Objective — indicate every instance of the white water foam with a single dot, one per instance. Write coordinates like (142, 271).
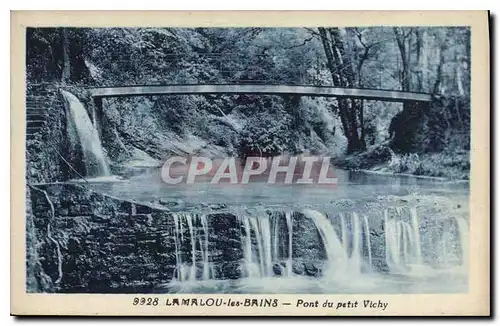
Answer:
(93, 155)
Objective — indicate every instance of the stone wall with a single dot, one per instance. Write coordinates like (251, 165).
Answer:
(46, 140)
(102, 243)
(82, 241)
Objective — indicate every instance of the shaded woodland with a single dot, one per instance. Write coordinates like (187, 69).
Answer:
(430, 140)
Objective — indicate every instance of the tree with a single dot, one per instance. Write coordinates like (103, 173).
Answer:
(343, 75)
(66, 71)
(403, 40)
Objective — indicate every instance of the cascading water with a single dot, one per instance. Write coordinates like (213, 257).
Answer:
(415, 227)
(262, 249)
(368, 242)
(343, 228)
(187, 270)
(252, 269)
(463, 230)
(261, 227)
(95, 164)
(453, 242)
(335, 253)
(350, 245)
(355, 259)
(360, 239)
(205, 249)
(192, 269)
(289, 225)
(267, 251)
(403, 241)
(394, 228)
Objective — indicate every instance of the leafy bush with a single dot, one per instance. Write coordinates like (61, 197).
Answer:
(406, 163)
(264, 135)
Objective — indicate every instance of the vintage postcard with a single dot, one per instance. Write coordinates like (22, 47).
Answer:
(250, 163)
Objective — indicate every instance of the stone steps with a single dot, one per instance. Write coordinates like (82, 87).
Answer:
(35, 123)
(40, 99)
(36, 115)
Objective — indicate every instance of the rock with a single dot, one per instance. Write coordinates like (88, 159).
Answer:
(311, 270)
(307, 243)
(380, 265)
(141, 209)
(217, 206)
(230, 270)
(172, 204)
(298, 268)
(163, 202)
(231, 253)
(277, 269)
(343, 202)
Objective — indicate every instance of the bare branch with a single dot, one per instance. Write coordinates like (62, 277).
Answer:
(312, 31)
(304, 42)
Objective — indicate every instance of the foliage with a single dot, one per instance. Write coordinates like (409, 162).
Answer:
(424, 59)
(266, 137)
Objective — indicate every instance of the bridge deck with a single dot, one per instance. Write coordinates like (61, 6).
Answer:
(326, 91)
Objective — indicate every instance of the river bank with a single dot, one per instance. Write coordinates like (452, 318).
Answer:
(451, 164)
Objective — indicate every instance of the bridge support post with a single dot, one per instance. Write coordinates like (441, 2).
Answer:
(97, 115)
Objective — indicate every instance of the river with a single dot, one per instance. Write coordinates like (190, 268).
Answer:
(146, 185)
(421, 258)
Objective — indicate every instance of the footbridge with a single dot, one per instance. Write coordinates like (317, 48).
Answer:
(235, 89)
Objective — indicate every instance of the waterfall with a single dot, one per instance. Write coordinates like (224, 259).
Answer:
(360, 234)
(95, 164)
(276, 238)
(267, 244)
(403, 246)
(178, 257)
(183, 269)
(262, 248)
(336, 254)
(249, 266)
(454, 242)
(192, 269)
(463, 230)
(343, 227)
(416, 235)
(188, 271)
(205, 249)
(289, 263)
(261, 227)
(260, 255)
(368, 242)
(356, 258)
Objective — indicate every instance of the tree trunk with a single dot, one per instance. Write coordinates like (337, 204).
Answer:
(66, 71)
(405, 73)
(362, 122)
(335, 77)
(458, 76)
(439, 73)
(420, 77)
(343, 75)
